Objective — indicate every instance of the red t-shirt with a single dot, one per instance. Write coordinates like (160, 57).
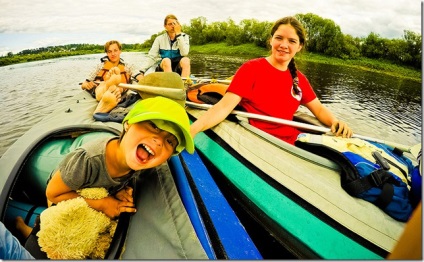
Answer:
(266, 90)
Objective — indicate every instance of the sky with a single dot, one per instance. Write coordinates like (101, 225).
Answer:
(40, 23)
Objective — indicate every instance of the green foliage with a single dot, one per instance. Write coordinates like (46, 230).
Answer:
(413, 50)
(406, 51)
(261, 33)
(215, 32)
(323, 35)
(373, 46)
(195, 30)
(235, 34)
(247, 31)
(350, 47)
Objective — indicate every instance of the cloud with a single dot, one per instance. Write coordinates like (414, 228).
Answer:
(75, 21)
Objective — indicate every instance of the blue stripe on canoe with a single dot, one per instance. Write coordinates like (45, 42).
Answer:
(233, 236)
(190, 205)
(314, 233)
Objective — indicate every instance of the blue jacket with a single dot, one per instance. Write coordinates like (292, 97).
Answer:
(162, 48)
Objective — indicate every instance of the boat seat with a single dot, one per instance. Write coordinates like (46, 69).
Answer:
(27, 211)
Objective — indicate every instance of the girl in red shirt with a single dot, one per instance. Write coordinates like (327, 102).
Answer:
(273, 86)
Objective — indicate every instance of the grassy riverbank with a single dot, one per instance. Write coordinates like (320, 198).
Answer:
(250, 50)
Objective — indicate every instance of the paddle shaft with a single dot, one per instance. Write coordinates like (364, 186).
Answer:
(299, 125)
(208, 80)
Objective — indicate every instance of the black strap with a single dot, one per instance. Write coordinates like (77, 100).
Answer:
(397, 151)
(29, 214)
(400, 169)
(377, 178)
(385, 197)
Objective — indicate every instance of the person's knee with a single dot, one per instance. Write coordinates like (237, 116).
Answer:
(166, 63)
(166, 60)
(185, 62)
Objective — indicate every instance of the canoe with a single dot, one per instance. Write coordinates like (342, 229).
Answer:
(291, 200)
(178, 217)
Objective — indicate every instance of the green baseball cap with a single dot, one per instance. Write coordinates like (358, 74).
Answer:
(167, 115)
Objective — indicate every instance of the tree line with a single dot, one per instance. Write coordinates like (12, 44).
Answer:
(324, 36)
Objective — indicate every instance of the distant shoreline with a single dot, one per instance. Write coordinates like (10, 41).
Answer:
(251, 51)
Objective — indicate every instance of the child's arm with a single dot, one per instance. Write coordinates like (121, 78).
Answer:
(58, 191)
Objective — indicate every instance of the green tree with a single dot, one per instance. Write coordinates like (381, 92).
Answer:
(396, 51)
(350, 49)
(195, 30)
(373, 46)
(215, 32)
(323, 35)
(234, 34)
(261, 33)
(413, 48)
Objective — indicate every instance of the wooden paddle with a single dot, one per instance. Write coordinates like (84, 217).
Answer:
(299, 125)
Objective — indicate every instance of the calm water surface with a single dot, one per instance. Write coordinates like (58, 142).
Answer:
(372, 104)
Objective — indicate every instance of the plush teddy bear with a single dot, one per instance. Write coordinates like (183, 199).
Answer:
(73, 230)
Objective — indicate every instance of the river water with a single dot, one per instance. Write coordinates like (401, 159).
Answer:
(374, 105)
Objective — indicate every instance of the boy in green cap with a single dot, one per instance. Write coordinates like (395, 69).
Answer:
(154, 130)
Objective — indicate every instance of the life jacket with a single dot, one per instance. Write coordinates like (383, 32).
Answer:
(372, 171)
(107, 65)
(206, 93)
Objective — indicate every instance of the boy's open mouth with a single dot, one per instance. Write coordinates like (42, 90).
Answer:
(144, 152)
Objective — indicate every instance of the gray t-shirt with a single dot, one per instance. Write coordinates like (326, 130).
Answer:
(85, 167)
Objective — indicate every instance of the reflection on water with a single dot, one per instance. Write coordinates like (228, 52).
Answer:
(373, 104)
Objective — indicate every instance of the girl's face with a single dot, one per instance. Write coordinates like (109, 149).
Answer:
(113, 53)
(145, 145)
(284, 44)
